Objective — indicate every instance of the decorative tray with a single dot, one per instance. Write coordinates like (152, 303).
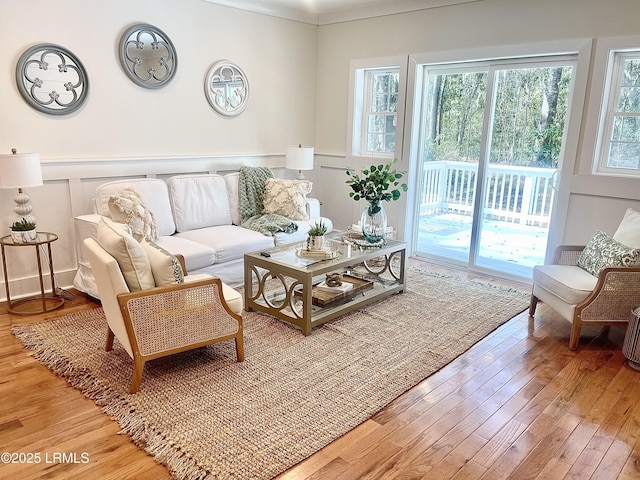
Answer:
(323, 298)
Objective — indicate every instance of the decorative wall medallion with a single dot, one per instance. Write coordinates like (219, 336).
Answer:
(227, 88)
(148, 56)
(52, 79)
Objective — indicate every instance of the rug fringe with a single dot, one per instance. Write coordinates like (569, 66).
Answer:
(163, 450)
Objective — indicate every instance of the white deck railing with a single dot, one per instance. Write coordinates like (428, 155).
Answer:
(521, 195)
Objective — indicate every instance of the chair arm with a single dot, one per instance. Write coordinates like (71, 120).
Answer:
(615, 295)
(567, 254)
(168, 319)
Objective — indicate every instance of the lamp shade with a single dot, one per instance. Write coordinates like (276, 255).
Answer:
(19, 170)
(299, 158)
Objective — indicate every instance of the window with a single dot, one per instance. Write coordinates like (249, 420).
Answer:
(380, 111)
(619, 135)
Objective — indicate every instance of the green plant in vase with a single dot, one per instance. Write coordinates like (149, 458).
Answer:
(376, 184)
(315, 236)
(23, 231)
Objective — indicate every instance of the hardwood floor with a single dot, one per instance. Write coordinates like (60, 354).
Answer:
(519, 404)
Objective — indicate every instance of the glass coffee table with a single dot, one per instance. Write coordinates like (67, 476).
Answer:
(286, 284)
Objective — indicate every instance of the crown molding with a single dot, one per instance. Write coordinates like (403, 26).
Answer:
(346, 14)
(383, 8)
(271, 9)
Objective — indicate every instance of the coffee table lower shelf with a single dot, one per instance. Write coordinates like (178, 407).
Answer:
(322, 298)
(278, 304)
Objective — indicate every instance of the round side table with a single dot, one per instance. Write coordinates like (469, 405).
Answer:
(46, 302)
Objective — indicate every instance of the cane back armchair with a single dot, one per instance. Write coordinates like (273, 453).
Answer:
(164, 320)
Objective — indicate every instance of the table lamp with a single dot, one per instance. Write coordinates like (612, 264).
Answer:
(19, 170)
(299, 158)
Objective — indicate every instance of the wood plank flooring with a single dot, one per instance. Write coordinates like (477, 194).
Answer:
(518, 405)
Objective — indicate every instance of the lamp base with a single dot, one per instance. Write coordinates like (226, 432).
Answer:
(23, 208)
(300, 175)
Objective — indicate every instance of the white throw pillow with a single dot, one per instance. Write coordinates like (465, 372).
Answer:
(628, 232)
(129, 207)
(128, 252)
(287, 198)
(165, 267)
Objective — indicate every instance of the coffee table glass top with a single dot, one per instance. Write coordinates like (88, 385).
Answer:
(290, 256)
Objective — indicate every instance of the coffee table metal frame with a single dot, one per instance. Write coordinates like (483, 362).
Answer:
(291, 300)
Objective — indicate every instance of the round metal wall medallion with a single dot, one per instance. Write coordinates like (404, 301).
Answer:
(147, 56)
(227, 88)
(52, 79)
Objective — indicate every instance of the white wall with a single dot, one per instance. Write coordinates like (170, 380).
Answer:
(299, 77)
(124, 129)
(591, 202)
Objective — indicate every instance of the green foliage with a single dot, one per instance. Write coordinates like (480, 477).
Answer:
(376, 184)
(528, 117)
(317, 230)
(22, 225)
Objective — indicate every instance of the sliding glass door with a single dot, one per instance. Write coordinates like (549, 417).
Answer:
(490, 145)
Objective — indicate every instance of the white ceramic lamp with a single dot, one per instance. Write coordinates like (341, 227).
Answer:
(19, 170)
(299, 158)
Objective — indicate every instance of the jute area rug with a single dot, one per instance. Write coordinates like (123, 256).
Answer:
(205, 416)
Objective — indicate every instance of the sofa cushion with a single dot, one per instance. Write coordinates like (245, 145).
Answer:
(229, 241)
(569, 282)
(287, 197)
(196, 256)
(232, 180)
(130, 208)
(154, 192)
(199, 201)
(231, 296)
(603, 251)
(128, 252)
(165, 267)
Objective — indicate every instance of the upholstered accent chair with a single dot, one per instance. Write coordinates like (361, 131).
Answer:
(596, 284)
(156, 321)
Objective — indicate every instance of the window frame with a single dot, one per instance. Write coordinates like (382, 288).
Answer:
(609, 112)
(357, 92)
(367, 112)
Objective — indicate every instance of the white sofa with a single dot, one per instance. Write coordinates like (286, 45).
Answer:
(197, 217)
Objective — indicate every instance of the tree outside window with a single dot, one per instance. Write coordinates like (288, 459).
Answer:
(620, 132)
(380, 112)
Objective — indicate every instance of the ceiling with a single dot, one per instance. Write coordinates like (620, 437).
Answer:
(322, 12)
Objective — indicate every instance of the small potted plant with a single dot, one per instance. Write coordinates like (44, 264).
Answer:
(23, 231)
(315, 238)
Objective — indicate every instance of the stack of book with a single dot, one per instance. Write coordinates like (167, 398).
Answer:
(323, 254)
(345, 287)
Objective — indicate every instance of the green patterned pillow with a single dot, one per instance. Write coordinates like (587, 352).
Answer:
(603, 251)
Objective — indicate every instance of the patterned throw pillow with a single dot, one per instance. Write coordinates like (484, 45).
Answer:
(287, 198)
(165, 267)
(603, 251)
(129, 207)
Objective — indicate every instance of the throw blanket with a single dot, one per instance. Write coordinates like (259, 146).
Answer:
(251, 192)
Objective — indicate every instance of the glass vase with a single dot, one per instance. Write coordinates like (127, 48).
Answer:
(374, 222)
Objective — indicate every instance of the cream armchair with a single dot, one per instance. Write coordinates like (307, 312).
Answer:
(159, 321)
(585, 293)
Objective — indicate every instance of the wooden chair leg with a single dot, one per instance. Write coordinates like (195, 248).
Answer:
(138, 367)
(533, 303)
(240, 346)
(109, 345)
(575, 334)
